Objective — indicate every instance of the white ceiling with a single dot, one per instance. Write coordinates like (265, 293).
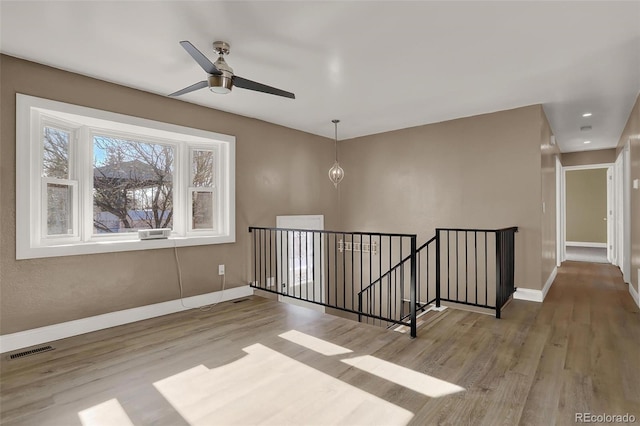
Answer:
(377, 66)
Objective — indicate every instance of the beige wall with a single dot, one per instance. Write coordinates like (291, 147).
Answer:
(278, 171)
(548, 155)
(585, 158)
(631, 134)
(586, 194)
(476, 172)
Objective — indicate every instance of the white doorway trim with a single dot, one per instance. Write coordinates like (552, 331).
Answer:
(560, 251)
(284, 279)
(623, 202)
(610, 215)
(563, 206)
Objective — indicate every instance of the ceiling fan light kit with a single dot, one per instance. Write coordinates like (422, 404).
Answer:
(221, 84)
(220, 76)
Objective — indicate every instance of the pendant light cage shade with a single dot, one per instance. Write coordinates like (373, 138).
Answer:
(336, 173)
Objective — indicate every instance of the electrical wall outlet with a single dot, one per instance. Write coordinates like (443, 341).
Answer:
(220, 269)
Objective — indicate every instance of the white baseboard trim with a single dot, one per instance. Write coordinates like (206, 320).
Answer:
(634, 294)
(549, 283)
(536, 295)
(37, 336)
(585, 244)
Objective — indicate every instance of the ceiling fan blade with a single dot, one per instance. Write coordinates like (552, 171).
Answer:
(259, 87)
(202, 60)
(196, 86)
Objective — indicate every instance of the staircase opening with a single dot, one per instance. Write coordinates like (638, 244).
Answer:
(385, 278)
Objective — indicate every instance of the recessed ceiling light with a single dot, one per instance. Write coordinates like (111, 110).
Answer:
(587, 141)
(587, 114)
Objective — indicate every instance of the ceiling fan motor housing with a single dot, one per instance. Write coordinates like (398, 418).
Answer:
(223, 82)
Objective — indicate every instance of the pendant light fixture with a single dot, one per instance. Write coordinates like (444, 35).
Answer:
(336, 173)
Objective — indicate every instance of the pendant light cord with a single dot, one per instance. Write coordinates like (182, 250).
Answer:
(335, 122)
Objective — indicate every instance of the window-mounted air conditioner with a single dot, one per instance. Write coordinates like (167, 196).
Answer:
(154, 234)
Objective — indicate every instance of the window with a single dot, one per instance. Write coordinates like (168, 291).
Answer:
(88, 180)
(132, 185)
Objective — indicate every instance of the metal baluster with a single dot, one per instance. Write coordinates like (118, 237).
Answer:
(466, 267)
(475, 253)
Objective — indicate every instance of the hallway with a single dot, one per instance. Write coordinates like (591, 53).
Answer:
(590, 361)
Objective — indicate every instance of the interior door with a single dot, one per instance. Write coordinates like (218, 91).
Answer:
(300, 261)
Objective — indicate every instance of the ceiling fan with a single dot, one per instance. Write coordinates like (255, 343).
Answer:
(220, 75)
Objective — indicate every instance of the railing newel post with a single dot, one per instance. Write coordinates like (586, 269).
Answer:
(498, 273)
(437, 268)
(413, 287)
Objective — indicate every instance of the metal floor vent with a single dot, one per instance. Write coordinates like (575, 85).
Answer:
(240, 300)
(31, 352)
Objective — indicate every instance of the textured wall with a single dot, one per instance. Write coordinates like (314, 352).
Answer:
(476, 172)
(278, 171)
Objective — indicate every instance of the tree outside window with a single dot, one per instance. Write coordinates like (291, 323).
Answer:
(132, 185)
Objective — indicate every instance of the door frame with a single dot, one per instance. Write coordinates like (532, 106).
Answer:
(610, 216)
(560, 251)
(562, 211)
(623, 201)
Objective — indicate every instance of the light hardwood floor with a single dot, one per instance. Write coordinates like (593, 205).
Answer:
(579, 351)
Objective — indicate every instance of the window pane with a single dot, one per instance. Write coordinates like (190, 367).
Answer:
(55, 156)
(202, 168)
(203, 210)
(300, 258)
(132, 185)
(59, 209)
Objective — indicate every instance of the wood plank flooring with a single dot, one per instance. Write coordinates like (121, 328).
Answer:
(579, 351)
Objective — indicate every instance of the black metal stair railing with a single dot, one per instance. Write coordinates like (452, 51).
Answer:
(370, 300)
(383, 277)
(476, 267)
(331, 268)
(473, 267)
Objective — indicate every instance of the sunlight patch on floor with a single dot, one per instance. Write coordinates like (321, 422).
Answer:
(318, 345)
(419, 382)
(108, 413)
(268, 388)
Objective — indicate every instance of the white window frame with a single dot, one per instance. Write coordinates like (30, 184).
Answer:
(212, 189)
(39, 194)
(83, 123)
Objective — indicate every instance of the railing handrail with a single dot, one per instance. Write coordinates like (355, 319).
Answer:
(510, 228)
(324, 231)
(396, 266)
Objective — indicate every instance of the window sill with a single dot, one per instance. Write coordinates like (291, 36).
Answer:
(96, 247)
